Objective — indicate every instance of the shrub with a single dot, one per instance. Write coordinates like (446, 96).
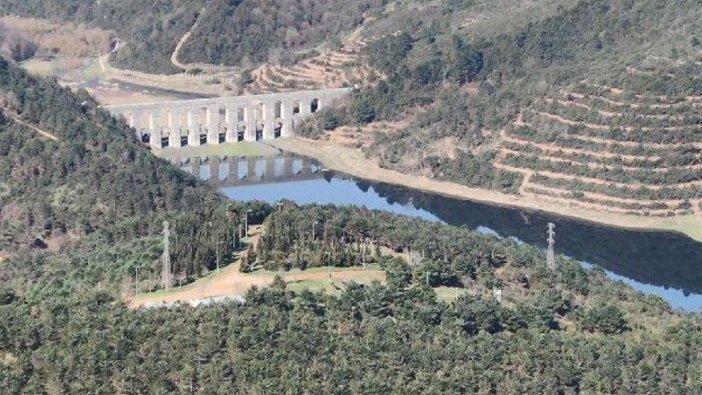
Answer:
(603, 318)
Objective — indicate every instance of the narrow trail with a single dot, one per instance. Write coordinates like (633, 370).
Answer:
(593, 165)
(42, 132)
(601, 207)
(601, 127)
(628, 143)
(525, 183)
(574, 151)
(183, 40)
(591, 180)
(600, 196)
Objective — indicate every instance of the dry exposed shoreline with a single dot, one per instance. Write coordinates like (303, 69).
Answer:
(353, 162)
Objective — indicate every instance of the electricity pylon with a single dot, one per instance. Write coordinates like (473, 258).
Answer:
(551, 240)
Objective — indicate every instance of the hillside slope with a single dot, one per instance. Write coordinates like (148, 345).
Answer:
(64, 327)
(605, 77)
(70, 171)
(233, 33)
(466, 102)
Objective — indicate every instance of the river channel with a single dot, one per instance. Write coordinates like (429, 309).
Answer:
(666, 264)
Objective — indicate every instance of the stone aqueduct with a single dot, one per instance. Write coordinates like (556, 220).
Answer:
(223, 119)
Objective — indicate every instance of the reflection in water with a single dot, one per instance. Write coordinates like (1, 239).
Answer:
(664, 259)
(227, 171)
(663, 263)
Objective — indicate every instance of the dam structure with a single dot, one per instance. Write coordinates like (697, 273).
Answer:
(223, 119)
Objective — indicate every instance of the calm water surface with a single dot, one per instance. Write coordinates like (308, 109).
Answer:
(662, 263)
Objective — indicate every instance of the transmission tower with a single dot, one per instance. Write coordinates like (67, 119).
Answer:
(166, 257)
(551, 240)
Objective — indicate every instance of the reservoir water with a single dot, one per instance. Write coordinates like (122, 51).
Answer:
(666, 264)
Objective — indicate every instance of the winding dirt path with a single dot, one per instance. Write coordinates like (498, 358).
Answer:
(603, 197)
(591, 180)
(602, 127)
(627, 143)
(594, 165)
(42, 132)
(183, 40)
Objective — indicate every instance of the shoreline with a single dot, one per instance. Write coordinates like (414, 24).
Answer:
(353, 162)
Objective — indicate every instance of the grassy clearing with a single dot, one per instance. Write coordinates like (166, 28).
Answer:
(39, 66)
(689, 225)
(229, 281)
(8, 360)
(314, 286)
(314, 270)
(244, 148)
(318, 279)
(449, 294)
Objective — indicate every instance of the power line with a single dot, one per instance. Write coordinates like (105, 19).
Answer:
(166, 257)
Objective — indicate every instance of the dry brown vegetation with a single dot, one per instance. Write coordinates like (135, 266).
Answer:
(15, 44)
(362, 136)
(330, 69)
(60, 39)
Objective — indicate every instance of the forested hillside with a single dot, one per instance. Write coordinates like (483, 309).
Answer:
(68, 169)
(556, 331)
(82, 205)
(235, 33)
(250, 32)
(607, 76)
(93, 180)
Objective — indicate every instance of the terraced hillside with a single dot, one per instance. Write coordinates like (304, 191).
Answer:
(330, 69)
(631, 148)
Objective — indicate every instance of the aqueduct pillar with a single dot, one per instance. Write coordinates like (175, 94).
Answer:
(286, 114)
(269, 120)
(250, 122)
(231, 122)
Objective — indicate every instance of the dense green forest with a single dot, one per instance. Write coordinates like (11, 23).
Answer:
(95, 180)
(248, 32)
(557, 331)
